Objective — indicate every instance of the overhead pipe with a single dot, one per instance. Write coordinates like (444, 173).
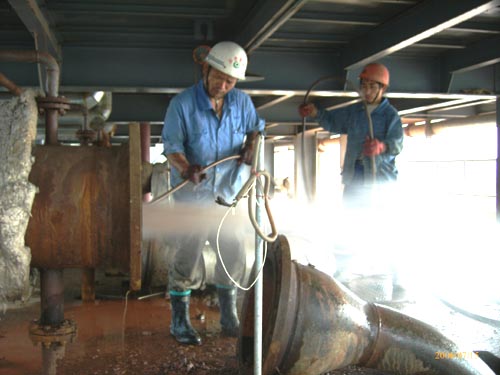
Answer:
(9, 85)
(430, 129)
(51, 105)
(100, 112)
(46, 59)
(91, 116)
(314, 325)
(78, 104)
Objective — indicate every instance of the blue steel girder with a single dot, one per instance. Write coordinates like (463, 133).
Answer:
(44, 35)
(478, 55)
(264, 20)
(425, 19)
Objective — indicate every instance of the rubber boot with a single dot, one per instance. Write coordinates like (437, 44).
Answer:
(181, 327)
(229, 321)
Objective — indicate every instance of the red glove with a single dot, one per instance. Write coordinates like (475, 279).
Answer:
(194, 174)
(373, 147)
(307, 110)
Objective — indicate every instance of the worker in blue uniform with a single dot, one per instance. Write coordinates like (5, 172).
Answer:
(369, 169)
(208, 122)
(369, 158)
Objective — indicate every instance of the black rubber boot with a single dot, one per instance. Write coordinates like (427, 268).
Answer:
(181, 327)
(229, 321)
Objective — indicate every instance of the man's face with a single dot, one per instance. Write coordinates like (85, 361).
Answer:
(372, 91)
(219, 84)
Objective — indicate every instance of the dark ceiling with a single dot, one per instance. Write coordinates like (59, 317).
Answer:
(443, 55)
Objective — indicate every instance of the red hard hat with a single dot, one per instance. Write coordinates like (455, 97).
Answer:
(376, 72)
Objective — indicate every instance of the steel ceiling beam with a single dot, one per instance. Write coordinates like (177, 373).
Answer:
(340, 19)
(477, 28)
(275, 101)
(478, 55)
(429, 18)
(85, 9)
(448, 104)
(35, 21)
(266, 18)
(295, 37)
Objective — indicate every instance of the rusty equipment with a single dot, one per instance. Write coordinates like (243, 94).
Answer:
(87, 213)
(313, 325)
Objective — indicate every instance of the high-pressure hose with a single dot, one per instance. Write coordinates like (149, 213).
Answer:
(247, 189)
(165, 195)
(370, 128)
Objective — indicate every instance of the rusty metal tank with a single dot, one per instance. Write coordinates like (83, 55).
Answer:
(87, 212)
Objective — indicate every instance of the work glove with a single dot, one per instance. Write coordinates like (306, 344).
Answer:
(246, 154)
(373, 147)
(194, 174)
(308, 110)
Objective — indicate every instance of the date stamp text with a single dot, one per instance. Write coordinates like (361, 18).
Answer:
(456, 355)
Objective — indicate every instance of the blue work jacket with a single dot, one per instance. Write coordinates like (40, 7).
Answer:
(353, 121)
(192, 127)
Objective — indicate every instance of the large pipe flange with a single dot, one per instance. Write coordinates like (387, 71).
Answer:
(59, 103)
(48, 335)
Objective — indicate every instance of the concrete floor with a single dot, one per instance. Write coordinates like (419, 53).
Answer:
(131, 336)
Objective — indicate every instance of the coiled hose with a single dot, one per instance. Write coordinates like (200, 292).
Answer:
(248, 189)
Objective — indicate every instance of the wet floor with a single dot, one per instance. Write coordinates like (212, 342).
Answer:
(132, 337)
(117, 337)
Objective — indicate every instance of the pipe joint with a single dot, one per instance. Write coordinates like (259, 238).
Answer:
(48, 103)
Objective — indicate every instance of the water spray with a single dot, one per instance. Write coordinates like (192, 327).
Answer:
(247, 190)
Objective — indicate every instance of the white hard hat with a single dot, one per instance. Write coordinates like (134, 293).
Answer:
(229, 58)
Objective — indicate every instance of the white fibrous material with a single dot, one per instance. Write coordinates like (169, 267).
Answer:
(18, 119)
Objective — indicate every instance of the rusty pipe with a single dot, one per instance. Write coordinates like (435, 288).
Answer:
(429, 129)
(51, 127)
(9, 85)
(52, 297)
(315, 325)
(406, 345)
(52, 68)
(145, 128)
(50, 355)
(46, 59)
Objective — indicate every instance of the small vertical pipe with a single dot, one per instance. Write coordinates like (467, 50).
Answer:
(498, 161)
(146, 255)
(50, 355)
(52, 297)
(258, 264)
(51, 126)
(145, 151)
(51, 280)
